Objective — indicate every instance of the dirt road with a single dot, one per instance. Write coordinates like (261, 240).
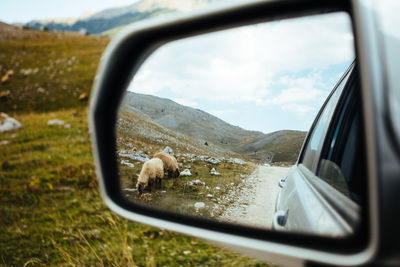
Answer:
(254, 200)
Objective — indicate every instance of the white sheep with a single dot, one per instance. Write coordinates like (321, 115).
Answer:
(170, 164)
(152, 171)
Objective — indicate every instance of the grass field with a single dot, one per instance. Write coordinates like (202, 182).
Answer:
(51, 213)
(51, 70)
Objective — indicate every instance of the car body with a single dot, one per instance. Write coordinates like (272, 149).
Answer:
(322, 192)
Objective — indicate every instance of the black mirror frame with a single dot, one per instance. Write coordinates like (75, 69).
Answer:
(122, 59)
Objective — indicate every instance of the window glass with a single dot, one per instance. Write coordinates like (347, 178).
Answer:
(341, 164)
(314, 146)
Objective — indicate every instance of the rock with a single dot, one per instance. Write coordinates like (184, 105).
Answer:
(209, 195)
(168, 150)
(217, 188)
(25, 72)
(267, 165)
(65, 188)
(236, 161)
(186, 172)
(214, 172)
(55, 122)
(199, 205)
(8, 124)
(127, 163)
(4, 94)
(198, 182)
(130, 189)
(83, 97)
(213, 160)
(134, 155)
(41, 90)
(4, 142)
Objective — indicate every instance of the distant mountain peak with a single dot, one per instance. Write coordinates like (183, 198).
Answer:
(109, 20)
(148, 5)
(283, 145)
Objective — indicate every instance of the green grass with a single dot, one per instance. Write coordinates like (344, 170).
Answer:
(51, 213)
(179, 196)
(62, 65)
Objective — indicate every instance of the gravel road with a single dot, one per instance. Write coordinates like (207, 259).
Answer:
(254, 200)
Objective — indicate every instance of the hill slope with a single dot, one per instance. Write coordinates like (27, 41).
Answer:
(51, 70)
(278, 146)
(99, 23)
(114, 18)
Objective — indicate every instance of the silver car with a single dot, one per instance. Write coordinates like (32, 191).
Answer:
(322, 192)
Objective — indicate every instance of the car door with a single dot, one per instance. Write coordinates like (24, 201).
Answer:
(322, 192)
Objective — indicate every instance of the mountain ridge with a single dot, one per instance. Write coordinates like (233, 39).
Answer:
(112, 18)
(282, 145)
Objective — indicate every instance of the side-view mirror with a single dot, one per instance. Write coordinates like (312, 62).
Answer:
(261, 127)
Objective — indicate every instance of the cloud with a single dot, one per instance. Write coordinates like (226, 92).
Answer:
(288, 65)
(299, 109)
(299, 90)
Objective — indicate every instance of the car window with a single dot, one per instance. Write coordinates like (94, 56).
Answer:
(317, 137)
(341, 163)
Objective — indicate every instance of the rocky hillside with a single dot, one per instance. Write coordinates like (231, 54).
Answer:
(112, 18)
(46, 71)
(277, 146)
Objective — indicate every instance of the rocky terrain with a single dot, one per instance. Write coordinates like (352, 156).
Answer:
(220, 176)
(253, 201)
(280, 146)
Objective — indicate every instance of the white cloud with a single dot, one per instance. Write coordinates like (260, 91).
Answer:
(299, 109)
(272, 64)
(299, 90)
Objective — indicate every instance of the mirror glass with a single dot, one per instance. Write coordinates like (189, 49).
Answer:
(213, 125)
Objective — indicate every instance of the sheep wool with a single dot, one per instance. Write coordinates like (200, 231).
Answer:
(170, 164)
(152, 171)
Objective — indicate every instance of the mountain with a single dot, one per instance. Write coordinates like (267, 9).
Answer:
(277, 146)
(97, 23)
(113, 18)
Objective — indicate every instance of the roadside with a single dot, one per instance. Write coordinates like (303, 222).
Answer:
(254, 199)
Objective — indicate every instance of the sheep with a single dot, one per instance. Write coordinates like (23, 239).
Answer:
(170, 164)
(152, 171)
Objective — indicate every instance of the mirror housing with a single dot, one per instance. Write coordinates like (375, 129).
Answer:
(127, 52)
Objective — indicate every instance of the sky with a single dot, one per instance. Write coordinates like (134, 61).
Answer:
(23, 11)
(264, 77)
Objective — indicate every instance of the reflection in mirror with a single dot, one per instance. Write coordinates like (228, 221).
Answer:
(210, 125)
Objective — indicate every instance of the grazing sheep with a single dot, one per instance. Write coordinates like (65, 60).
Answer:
(152, 171)
(170, 164)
